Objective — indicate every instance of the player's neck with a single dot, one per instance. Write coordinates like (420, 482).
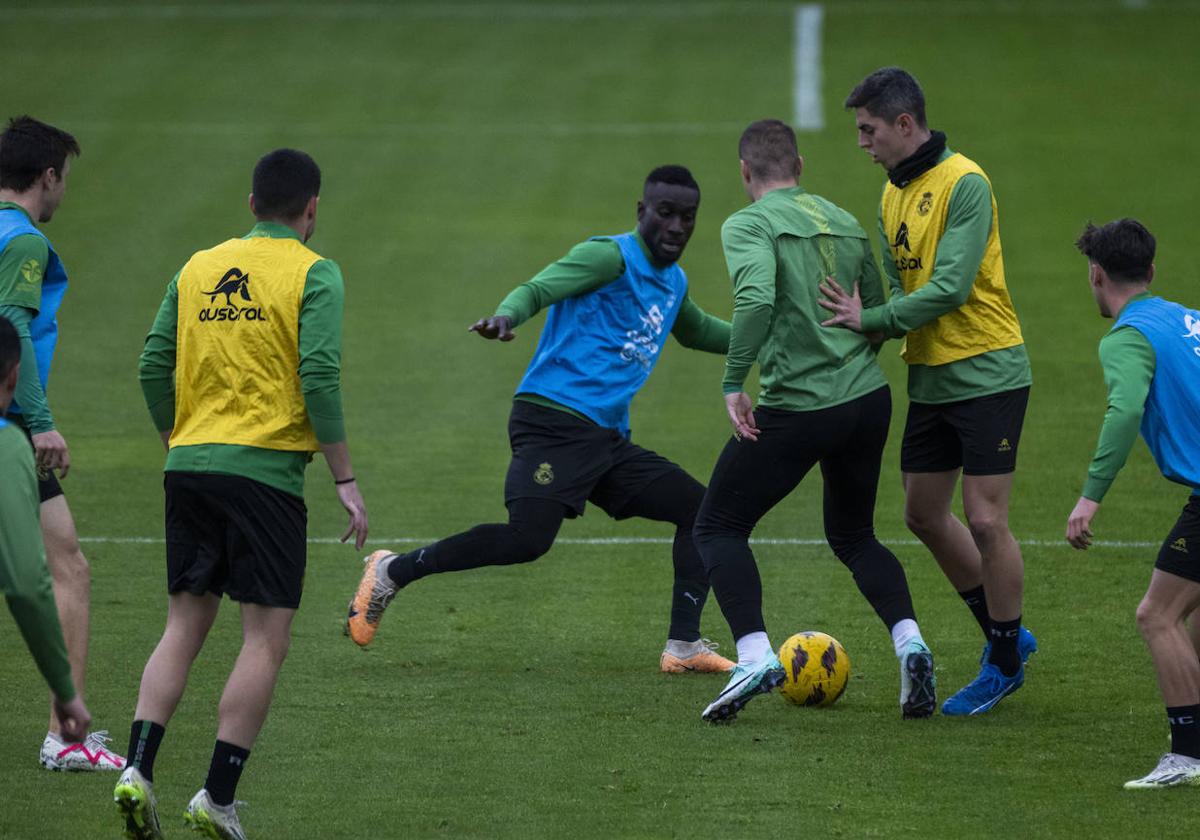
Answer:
(1120, 296)
(30, 201)
(760, 188)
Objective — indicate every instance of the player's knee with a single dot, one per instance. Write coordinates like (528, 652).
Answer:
(528, 544)
(988, 527)
(1151, 620)
(849, 547)
(921, 522)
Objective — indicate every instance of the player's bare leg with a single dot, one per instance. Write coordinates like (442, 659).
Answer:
(985, 502)
(1161, 618)
(927, 500)
(72, 582)
(266, 637)
(189, 618)
(1194, 631)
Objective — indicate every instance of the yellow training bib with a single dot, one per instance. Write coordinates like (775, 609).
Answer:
(914, 219)
(237, 377)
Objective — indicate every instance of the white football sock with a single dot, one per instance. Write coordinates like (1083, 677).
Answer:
(753, 647)
(905, 633)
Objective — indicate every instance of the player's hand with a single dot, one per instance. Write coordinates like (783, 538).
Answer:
(846, 308)
(741, 415)
(1079, 523)
(50, 451)
(352, 501)
(73, 719)
(498, 326)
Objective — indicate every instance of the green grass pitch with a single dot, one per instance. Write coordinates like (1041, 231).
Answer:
(463, 147)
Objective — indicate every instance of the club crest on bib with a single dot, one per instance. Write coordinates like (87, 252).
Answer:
(544, 474)
(234, 283)
(925, 204)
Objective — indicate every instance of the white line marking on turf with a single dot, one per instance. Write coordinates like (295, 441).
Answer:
(806, 65)
(799, 541)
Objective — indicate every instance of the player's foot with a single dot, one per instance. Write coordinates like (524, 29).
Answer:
(1173, 770)
(135, 804)
(375, 591)
(983, 692)
(746, 682)
(698, 656)
(1027, 646)
(90, 754)
(918, 695)
(218, 822)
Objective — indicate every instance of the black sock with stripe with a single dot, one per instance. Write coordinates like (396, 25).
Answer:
(144, 739)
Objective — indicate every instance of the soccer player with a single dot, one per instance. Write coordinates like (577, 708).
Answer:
(823, 400)
(24, 577)
(241, 374)
(612, 300)
(968, 372)
(1151, 361)
(35, 159)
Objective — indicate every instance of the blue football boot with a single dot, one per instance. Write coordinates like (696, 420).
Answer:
(983, 692)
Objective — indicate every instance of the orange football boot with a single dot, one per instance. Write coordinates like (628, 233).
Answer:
(703, 660)
(375, 592)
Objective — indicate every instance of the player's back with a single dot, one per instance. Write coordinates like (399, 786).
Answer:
(804, 365)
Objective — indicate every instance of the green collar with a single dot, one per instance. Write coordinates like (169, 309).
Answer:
(274, 230)
(12, 205)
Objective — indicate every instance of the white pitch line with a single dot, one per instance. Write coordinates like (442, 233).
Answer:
(798, 541)
(806, 66)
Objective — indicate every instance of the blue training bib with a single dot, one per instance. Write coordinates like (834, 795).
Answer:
(597, 350)
(1171, 422)
(43, 330)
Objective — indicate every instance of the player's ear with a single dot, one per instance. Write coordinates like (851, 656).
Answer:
(641, 209)
(1150, 275)
(799, 166)
(251, 201)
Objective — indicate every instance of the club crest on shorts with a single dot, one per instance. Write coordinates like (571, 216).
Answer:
(544, 474)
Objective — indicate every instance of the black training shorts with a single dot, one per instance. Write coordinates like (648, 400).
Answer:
(556, 455)
(1180, 552)
(48, 486)
(227, 534)
(980, 435)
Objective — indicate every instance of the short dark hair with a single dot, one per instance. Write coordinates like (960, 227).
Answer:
(1124, 249)
(29, 147)
(888, 93)
(284, 181)
(769, 148)
(672, 173)
(10, 347)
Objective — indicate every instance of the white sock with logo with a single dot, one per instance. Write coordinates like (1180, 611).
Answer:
(904, 633)
(753, 647)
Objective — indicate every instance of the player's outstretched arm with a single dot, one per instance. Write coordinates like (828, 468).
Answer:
(497, 327)
(337, 456)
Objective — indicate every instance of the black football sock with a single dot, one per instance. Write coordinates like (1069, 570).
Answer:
(228, 761)
(1185, 730)
(1003, 636)
(144, 739)
(976, 601)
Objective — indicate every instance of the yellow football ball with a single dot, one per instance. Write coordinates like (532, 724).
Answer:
(817, 669)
